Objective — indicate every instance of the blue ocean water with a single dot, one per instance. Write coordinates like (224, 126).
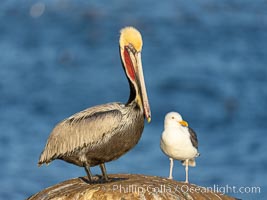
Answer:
(204, 59)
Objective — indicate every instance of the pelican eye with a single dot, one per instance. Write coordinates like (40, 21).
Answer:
(131, 48)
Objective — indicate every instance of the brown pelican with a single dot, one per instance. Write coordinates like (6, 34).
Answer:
(104, 133)
(179, 142)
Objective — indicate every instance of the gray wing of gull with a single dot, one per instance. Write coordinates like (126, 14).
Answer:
(193, 137)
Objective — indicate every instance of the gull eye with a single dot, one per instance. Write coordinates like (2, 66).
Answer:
(172, 117)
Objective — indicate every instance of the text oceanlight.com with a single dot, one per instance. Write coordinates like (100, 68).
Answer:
(226, 189)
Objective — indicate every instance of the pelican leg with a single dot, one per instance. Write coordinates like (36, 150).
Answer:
(88, 172)
(186, 170)
(171, 166)
(104, 171)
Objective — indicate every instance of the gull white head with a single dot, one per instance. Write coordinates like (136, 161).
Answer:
(174, 119)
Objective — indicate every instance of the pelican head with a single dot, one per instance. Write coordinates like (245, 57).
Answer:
(131, 36)
(174, 119)
(130, 51)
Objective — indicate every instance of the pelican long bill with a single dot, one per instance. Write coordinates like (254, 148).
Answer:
(136, 74)
(142, 88)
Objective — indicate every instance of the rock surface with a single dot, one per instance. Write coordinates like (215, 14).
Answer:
(126, 186)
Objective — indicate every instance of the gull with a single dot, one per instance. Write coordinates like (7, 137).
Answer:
(179, 142)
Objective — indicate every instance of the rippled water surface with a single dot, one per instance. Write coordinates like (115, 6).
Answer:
(205, 59)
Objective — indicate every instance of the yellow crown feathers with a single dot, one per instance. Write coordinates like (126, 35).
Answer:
(129, 35)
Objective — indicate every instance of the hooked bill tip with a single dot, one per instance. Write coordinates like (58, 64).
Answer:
(184, 123)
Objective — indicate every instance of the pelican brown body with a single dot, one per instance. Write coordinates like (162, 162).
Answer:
(104, 133)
